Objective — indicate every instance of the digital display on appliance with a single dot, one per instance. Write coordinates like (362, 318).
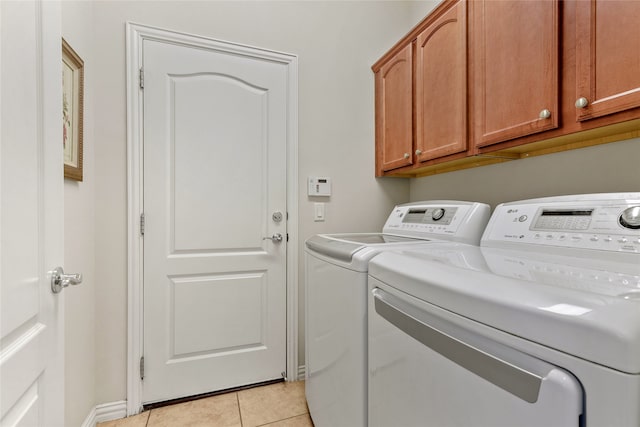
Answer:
(586, 212)
(563, 219)
(414, 215)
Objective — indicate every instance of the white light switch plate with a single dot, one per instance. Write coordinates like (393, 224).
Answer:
(318, 212)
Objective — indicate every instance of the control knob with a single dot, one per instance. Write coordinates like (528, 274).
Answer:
(437, 214)
(630, 218)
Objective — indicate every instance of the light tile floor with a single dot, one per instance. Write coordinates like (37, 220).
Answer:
(276, 405)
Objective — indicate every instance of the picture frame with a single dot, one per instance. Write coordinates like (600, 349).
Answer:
(72, 111)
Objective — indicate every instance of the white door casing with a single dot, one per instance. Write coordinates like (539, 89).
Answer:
(31, 214)
(208, 188)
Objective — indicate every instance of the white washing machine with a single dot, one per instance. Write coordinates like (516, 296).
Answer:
(336, 300)
(540, 326)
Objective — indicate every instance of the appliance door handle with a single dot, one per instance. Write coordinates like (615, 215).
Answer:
(509, 377)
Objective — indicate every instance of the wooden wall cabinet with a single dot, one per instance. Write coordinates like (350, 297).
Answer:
(515, 68)
(541, 77)
(441, 86)
(421, 93)
(394, 112)
(607, 57)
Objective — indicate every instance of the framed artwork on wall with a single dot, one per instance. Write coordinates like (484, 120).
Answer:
(72, 111)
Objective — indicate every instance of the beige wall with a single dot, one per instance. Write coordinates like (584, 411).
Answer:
(600, 169)
(420, 9)
(336, 43)
(79, 244)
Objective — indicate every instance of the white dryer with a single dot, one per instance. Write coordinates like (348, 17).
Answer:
(540, 326)
(336, 300)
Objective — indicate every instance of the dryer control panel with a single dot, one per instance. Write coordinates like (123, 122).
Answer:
(609, 222)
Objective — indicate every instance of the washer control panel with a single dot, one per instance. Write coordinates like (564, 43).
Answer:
(609, 222)
(458, 221)
(430, 215)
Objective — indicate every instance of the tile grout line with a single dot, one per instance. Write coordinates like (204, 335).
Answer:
(283, 419)
(239, 410)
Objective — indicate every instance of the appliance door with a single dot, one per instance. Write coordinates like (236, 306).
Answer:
(336, 333)
(426, 369)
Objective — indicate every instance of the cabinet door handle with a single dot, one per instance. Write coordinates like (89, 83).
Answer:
(545, 114)
(418, 152)
(407, 155)
(582, 102)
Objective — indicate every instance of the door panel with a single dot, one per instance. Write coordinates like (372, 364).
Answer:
(515, 68)
(235, 322)
(214, 172)
(208, 132)
(607, 59)
(394, 112)
(31, 214)
(441, 86)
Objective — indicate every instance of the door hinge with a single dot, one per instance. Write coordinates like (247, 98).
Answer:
(287, 237)
(141, 78)
(142, 224)
(142, 368)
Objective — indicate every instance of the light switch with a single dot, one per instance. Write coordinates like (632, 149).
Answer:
(318, 212)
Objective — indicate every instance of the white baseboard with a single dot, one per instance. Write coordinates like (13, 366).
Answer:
(90, 421)
(106, 412)
(301, 372)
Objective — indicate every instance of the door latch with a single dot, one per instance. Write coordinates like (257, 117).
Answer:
(276, 238)
(59, 280)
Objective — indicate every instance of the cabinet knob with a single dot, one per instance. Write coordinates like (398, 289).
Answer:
(545, 114)
(407, 155)
(418, 152)
(582, 102)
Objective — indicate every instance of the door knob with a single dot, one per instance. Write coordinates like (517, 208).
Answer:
(59, 280)
(276, 238)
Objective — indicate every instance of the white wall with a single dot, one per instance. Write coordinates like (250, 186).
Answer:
(600, 169)
(336, 42)
(79, 244)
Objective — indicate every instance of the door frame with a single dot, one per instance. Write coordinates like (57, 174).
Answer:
(135, 35)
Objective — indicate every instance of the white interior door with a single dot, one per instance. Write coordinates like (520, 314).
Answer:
(215, 138)
(31, 214)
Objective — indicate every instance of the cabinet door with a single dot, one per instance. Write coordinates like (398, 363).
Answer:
(394, 112)
(607, 57)
(441, 86)
(515, 66)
